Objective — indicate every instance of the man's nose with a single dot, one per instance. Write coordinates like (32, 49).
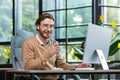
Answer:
(49, 28)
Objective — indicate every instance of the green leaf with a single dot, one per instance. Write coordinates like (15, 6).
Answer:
(114, 48)
(79, 53)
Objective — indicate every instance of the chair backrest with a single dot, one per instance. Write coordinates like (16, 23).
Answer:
(16, 48)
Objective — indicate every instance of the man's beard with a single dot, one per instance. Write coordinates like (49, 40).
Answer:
(45, 34)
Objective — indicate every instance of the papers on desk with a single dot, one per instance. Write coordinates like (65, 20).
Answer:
(84, 69)
(57, 68)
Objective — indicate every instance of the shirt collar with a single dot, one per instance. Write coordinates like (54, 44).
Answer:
(37, 37)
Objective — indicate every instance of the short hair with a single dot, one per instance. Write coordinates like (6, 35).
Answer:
(43, 17)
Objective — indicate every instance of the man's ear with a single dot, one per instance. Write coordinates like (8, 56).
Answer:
(37, 27)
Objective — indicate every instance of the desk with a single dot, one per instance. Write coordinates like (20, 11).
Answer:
(32, 72)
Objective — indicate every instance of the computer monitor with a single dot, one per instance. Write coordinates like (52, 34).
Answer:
(97, 38)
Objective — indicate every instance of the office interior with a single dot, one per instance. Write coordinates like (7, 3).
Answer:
(71, 21)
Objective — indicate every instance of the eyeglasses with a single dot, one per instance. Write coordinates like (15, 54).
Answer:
(47, 26)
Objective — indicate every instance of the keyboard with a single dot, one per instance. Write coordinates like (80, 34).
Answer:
(84, 69)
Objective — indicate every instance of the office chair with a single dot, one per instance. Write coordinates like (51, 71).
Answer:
(16, 51)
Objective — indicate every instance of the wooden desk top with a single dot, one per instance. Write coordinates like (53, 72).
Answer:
(64, 71)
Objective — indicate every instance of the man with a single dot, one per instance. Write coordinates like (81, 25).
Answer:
(40, 52)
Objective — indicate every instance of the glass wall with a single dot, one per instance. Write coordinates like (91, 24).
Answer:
(70, 26)
(111, 12)
(6, 28)
(14, 15)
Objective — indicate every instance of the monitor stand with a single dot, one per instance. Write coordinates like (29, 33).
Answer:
(102, 59)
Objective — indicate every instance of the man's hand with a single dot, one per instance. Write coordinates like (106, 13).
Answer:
(83, 65)
(54, 49)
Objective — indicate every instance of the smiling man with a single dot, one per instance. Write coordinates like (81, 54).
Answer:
(40, 52)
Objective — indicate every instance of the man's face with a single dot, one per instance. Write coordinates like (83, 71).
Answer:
(45, 28)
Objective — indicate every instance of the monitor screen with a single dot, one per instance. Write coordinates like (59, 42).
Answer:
(97, 38)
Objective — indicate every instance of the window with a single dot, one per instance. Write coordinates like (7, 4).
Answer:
(71, 21)
(6, 20)
(6, 27)
(26, 14)
(15, 14)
